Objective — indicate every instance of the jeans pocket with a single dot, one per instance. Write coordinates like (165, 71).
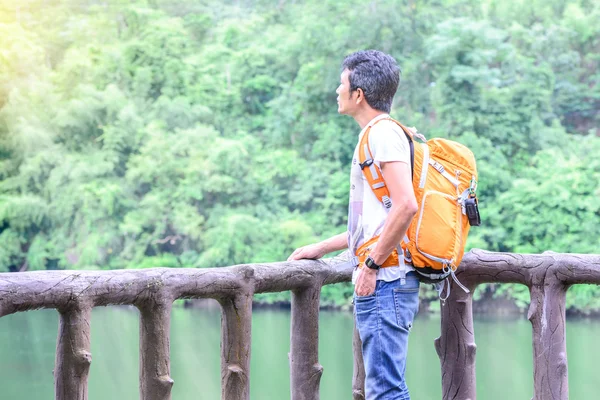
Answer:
(406, 302)
(371, 296)
(363, 299)
(366, 315)
(365, 304)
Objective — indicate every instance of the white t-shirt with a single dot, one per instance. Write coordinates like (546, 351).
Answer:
(366, 214)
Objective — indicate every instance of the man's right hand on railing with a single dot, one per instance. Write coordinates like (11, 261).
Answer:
(318, 250)
(311, 252)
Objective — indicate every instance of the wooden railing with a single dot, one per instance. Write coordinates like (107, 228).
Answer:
(152, 291)
(548, 277)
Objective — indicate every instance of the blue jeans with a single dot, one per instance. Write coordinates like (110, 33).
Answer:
(384, 320)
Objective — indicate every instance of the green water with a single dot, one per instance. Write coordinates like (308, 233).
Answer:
(504, 356)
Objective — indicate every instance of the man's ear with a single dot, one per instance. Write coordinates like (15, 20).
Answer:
(360, 96)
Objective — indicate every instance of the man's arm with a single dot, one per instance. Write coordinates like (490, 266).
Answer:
(318, 250)
(404, 207)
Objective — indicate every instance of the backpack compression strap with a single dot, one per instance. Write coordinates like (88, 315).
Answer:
(372, 172)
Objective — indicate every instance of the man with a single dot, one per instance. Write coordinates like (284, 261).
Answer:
(386, 299)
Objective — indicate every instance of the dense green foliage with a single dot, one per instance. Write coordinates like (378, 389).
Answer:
(205, 133)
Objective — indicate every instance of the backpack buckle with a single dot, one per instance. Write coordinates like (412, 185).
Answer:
(366, 164)
(387, 202)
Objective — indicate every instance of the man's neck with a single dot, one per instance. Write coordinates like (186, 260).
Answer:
(367, 116)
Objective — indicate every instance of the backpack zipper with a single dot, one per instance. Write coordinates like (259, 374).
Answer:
(459, 214)
(424, 166)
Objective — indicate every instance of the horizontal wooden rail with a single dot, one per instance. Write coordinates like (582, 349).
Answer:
(152, 291)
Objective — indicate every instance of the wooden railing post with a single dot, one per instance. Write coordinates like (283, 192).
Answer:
(547, 316)
(73, 357)
(456, 346)
(358, 376)
(155, 367)
(305, 370)
(236, 337)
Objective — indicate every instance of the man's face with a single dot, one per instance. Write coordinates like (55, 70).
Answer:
(346, 99)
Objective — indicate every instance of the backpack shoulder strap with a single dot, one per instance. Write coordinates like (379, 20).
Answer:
(371, 171)
(411, 144)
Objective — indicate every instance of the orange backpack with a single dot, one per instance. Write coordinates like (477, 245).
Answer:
(444, 177)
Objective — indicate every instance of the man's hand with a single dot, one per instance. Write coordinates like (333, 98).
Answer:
(365, 282)
(318, 250)
(311, 252)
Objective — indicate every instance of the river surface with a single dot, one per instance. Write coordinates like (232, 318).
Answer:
(504, 356)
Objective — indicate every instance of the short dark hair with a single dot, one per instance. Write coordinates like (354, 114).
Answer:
(377, 74)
